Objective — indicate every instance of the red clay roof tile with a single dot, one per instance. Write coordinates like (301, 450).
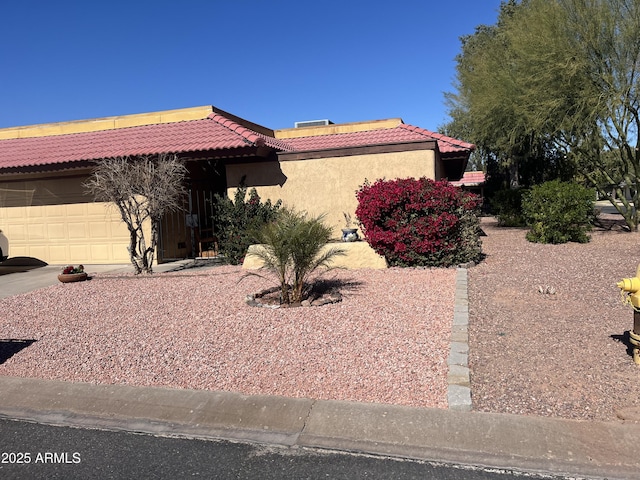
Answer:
(213, 133)
(445, 144)
(471, 178)
(216, 132)
(401, 134)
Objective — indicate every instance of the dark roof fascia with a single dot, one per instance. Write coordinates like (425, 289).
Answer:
(358, 150)
(252, 159)
(462, 155)
(240, 152)
(48, 170)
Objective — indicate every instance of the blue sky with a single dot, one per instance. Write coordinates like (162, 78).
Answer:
(272, 62)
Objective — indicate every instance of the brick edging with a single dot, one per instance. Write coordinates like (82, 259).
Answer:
(459, 390)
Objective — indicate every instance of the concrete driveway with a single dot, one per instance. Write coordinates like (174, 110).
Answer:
(25, 278)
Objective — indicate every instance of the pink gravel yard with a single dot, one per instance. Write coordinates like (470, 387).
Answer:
(561, 354)
(386, 342)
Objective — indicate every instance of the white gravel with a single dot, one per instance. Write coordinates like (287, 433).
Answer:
(387, 341)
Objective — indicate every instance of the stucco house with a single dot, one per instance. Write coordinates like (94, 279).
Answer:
(46, 213)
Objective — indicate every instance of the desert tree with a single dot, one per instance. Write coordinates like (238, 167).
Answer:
(558, 76)
(143, 188)
(582, 60)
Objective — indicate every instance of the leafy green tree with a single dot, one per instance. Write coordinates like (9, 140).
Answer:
(292, 249)
(481, 110)
(558, 76)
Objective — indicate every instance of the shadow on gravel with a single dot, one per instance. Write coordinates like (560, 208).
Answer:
(611, 224)
(200, 263)
(624, 339)
(8, 348)
(323, 286)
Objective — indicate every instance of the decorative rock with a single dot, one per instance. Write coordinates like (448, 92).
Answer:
(630, 414)
(546, 290)
(253, 300)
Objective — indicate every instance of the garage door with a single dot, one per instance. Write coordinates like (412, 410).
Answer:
(66, 234)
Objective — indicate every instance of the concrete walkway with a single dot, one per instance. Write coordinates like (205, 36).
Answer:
(42, 277)
(457, 434)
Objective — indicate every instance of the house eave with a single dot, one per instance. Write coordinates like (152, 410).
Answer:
(357, 150)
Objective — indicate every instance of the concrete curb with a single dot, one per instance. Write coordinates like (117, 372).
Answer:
(459, 390)
(595, 449)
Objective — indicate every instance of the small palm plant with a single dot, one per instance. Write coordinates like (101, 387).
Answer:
(292, 250)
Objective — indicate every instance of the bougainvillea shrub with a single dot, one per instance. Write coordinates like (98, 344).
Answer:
(420, 222)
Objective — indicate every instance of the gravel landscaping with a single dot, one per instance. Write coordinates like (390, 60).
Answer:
(561, 354)
(547, 332)
(387, 340)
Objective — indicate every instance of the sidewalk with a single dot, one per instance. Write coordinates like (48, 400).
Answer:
(594, 449)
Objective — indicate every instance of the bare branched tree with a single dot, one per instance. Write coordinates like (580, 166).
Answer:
(144, 189)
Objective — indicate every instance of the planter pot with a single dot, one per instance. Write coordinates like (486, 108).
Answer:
(72, 277)
(350, 235)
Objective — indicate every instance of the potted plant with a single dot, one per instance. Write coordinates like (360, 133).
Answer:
(72, 274)
(349, 232)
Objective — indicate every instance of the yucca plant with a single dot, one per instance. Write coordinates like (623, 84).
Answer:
(292, 250)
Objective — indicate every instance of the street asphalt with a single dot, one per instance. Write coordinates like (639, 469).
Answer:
(454, 435)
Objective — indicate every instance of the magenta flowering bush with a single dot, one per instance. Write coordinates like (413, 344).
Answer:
(71, 269)
(420, 222)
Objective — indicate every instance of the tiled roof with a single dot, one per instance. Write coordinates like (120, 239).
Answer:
(445, 144)
(471, 178)
(213, 133)
(401, 134)
(216, 132)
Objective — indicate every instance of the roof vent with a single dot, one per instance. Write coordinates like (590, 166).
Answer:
(313, 123)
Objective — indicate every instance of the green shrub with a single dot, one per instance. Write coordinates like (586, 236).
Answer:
(558, 212)
(291, 250)
(506, 205)
(236, 222)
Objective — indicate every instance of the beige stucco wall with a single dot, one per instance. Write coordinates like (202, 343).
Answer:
(357, 255)
(54, 220)
(328, 185)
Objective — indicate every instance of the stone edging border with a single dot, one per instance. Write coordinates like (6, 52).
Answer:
(459, 390)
